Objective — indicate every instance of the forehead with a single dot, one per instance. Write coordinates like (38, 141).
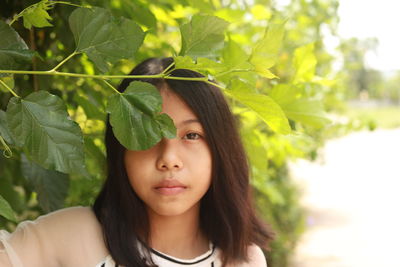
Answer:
(176, 107)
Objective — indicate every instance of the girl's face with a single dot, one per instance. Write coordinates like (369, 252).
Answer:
(174, 175)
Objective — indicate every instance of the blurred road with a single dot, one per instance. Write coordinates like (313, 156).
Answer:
(353, 199)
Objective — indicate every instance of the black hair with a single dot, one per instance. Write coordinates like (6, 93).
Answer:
(227, 216)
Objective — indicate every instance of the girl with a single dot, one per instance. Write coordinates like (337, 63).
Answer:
(185, 201)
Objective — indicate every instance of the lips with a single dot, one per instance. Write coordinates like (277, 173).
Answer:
(170, 187)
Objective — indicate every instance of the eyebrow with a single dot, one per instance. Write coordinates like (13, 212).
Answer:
(189, 121)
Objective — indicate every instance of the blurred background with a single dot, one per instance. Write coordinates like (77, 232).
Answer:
(329, 189)
(350, 192)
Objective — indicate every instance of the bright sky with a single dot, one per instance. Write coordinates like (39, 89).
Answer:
(374, 18)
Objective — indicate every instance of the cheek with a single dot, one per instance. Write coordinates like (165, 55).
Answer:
(203, 166)
(136, 170)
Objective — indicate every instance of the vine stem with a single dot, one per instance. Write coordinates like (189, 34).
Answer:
(216, 85)
(106, 77)
(102, 77)
(66, 3)
(8, 88)
(78, 75)
(7, 151)
(62, 62)
(112, 87)
(168, 68)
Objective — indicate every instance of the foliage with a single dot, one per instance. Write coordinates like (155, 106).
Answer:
(274, 72)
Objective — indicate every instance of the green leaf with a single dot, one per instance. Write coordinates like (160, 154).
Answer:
(299, 108)
(266, 108)
(14, 53)
(40, 124)
(104, 38)
(7, 186)
(37, 15)
(167, 126)
(304, 62)
(233, 55)
(51, 186)
(135, 118)
(202, 65)
(6, 211)
(265, 72)
(4, 130)
(203, 36)
(240, 86)
(140, 13)
(265, 51)
(307, 111)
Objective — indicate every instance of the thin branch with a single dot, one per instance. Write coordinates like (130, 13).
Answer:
(66, 3)
(20, 14)
(78, 75)
(216, 85)
(62, 62)
(34, 61)
(8, 88)
(200, 79)
(167, 69)
(106, 77)
(112, 87)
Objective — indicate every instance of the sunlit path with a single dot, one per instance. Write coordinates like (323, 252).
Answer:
(353, 196)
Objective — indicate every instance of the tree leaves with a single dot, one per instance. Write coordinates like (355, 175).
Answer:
(299, 108)
(265, 52)
(4, 130)
(135, 118)
(14, 53)
(103, 38)
(6, 210)
(36, 15)
(304, 62)
(40, 124)
(51, 186)
(268, 110)
(203, 36)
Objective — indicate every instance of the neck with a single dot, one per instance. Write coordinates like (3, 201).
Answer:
(183, 231)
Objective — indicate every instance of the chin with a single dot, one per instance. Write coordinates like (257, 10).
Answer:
(169, 209)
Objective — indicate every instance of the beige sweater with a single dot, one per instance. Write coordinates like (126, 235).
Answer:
(72, 237)
(68, 237)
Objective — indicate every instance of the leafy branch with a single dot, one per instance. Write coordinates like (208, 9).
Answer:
(37, 15)
(135, 112)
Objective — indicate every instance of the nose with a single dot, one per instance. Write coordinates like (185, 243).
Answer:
(168, 157)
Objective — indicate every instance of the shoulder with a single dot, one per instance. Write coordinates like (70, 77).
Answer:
(68, 216)
(54, 237)
(73, 231)
(70, 222)
(65, 219)
(256, 257)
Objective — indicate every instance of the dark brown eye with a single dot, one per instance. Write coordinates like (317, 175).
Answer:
(192, 136)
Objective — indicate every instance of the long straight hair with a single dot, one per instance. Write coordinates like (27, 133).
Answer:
(227, 215)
